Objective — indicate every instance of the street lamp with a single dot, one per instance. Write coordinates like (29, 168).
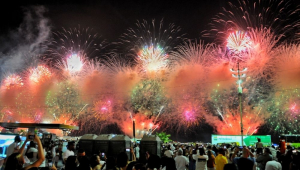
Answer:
(240, 91)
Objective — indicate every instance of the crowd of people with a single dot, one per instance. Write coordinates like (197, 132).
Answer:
(173, 157)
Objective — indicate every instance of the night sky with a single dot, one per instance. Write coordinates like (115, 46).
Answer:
(111, 18)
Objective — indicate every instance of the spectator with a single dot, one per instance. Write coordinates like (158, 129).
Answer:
(246, 161)
(131, 165)
(192, 161)
(230, 166)
(153, 161)
(201, 160)
(14, 147)
(273, 165)
(16, 160)
(137, 152)
(69, 151)
(139, 166)
(286, 160)
(264, 158)
(168, 153)
(71, 163)
(31, 152)
(95, 162)
(172, 147)
(110, 164)
(211, 160)
(81, 152)
(221, 160)
(259, 146)
(84, 163)
(181, 161)
(169, 164)
(209, 149)
(273, 151)
(122, 160)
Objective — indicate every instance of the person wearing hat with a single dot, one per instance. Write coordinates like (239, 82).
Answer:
(14, 147)
(181, 161)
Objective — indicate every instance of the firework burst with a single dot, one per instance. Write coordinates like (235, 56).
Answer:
(80, 41)
(277, 15)
(12, 81)
(146, 34)
(153, 59)
(39, 74)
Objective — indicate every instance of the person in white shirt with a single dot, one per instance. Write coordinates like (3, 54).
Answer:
(201, 160)
(181, 161)
(172, 147)
(69, 151)
(32, 152)
(273, 165)
(168, 153)
(14, 147)
(137, 152)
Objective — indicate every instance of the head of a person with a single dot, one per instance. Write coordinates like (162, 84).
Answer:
(122, 159)
(170, 164)
(221, 151)
(17, 139)
(180, 151)
(154, 161)
(245, 152)
(230, 167)
(71, 163)
(138, 166)
(194, 151)
(209, 153)
(267, 151)
(84, 163)
(81, 152)
(32, 144)
(131, 165)
(15, 161)
(208, 147)
(95, 160)
(258, 139)
(110, 162)
(201, 151)
(71, 145)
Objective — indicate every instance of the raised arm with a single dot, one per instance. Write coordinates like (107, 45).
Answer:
(236, 150)
(133, 155)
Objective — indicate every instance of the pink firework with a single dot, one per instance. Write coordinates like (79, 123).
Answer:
(13, 81)
(238, 42)
(189, 115)
(39, 74)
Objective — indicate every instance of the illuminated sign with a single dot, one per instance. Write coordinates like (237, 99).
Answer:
(236, 139)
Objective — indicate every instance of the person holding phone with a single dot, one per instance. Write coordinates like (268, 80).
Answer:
(16, 160)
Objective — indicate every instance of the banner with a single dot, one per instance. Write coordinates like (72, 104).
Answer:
(236, 139)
